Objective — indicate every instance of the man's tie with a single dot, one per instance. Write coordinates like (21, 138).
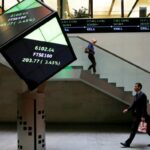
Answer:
(137, 95)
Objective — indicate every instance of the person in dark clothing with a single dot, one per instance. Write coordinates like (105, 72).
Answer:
(139, 110)
(91, 56)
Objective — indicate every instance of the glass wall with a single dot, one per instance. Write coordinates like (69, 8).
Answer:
(104, 9)
(68, 9)
(77, 9)
(52, 3)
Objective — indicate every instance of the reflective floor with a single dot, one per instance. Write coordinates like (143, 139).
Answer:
(78, 137)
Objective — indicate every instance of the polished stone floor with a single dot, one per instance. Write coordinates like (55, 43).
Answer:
(78, 137)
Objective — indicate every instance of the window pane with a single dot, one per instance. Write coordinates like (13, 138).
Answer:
(144, 5)
(101, 8)
(51, 3)
(116, 10)
(8, 4)
(76, 9)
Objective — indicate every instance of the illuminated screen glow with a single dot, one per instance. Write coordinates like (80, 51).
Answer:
(41, 54)
(20, 20)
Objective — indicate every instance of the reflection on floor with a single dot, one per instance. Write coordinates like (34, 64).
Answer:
(78, 137)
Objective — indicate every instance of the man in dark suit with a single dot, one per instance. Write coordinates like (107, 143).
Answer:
(139, 110)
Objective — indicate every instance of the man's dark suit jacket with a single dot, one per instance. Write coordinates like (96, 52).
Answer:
(139, 106)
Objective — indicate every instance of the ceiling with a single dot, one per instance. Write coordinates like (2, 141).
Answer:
(101, 8)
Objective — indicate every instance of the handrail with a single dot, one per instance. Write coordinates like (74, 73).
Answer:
(114, 55)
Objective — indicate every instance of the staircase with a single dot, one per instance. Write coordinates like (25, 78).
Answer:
(116, 78)
(112, 67)
(78, 73)
(108, 88)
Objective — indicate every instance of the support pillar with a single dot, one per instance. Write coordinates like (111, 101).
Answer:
(31, 120)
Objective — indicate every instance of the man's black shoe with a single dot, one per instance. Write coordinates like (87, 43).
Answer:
(148, 145)
(125, 145)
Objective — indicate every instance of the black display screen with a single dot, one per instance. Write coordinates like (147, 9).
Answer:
(106, 25)
(20, 23)
(41, 53)
(36, 61)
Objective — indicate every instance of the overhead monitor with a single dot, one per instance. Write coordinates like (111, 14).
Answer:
(42, 53)
(106, 25)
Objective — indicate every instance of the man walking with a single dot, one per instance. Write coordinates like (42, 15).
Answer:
(139, 110)
(91, 54)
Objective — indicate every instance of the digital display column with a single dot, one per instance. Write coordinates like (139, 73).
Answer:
(42, 52)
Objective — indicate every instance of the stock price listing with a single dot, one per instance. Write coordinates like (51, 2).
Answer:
(106, 25)
(36, 61)
(42, 55)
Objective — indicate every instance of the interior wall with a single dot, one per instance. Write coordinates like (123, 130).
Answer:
(66, 101)
(76, 102)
